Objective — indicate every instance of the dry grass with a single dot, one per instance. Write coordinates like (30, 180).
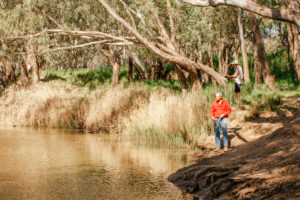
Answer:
(159, 114)
(181, 118)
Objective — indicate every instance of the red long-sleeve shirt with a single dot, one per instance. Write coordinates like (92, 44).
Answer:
(219, 108)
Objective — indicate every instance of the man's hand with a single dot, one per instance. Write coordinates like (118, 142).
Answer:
(221, 116)
(213, 118)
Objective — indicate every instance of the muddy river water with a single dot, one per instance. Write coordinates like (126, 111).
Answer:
(62, 164)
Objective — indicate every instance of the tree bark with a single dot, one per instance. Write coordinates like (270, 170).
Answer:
(294, 45)
(194, 80)
(260, 53)
(181, 78)
(290, 13)
(24, 78)
(257, 67)
(33, 66)
(211, 63)
(243, 49)
(115, 65)
(138, 62)
(130, 70)
(226, 65)
(220, 53)
(9, 72)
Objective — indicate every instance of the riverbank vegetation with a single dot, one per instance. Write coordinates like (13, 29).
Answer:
(152, 68)
(156, 110)
(142, 67)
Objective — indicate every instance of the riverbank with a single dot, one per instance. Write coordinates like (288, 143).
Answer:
(264, 162)
(158, 112)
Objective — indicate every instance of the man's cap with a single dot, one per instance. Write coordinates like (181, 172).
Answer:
(235, 62)
(218, 94)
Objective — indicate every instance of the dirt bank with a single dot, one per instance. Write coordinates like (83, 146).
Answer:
(265, 167)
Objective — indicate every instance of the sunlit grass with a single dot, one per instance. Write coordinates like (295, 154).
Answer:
(157, 110)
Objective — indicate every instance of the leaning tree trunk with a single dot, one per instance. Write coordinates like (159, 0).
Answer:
(294, 45)
(259, 48)
(165, 51)
(243, 48)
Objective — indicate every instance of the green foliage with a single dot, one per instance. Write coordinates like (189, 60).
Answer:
(52, 76)
(100, 75)
(172, 84)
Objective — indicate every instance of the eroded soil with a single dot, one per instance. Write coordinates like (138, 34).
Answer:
(264, 162)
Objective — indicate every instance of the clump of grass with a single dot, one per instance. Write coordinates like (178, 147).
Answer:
(179, 118)
(52, 76)
(95, 76)
(172, 84)
(261, 100)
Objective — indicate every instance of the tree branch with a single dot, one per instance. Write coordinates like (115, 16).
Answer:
(129, 13)
(290, 14)
(180, 59)
(171, 21)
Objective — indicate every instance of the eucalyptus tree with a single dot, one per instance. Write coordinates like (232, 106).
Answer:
(155, 29)
(287, 10)
(20, 18)
(40, 29)
(243, 47)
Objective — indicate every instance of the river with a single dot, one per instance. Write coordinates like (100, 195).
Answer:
(64, 164)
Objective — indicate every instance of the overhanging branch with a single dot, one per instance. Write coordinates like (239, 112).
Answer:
(289, 14)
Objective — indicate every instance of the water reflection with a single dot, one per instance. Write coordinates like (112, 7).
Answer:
(56, 164)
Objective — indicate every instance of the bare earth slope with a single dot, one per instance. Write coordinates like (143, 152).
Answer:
(263, 168)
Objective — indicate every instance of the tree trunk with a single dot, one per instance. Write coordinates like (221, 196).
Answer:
(220, 53)
(243, 49)
(257, 68)
(159, 70)
(259, 49)
(236, 51)
(130, 70)
(116, 71)
(194, 80)
(115, 65)
(211, 64)
(181, 78)
(9, 72)
(32, 64)
(226, 65)
(138, 63)
(294, 45)
(24, 78)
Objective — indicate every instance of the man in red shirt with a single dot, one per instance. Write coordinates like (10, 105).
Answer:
(220, 111)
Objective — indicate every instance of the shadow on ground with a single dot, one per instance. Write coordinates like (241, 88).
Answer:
(267, 168)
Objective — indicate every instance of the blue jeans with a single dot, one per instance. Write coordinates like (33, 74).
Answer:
(221, 123)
